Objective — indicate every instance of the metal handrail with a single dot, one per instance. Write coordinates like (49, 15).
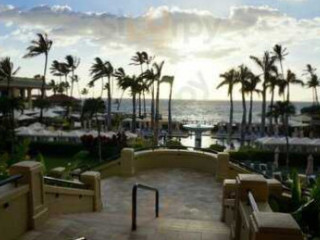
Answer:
(134, 202)
(63, 183)
(252, 202)
(11, 179)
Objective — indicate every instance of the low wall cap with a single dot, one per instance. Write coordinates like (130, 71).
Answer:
(271, 222)
(251, 178)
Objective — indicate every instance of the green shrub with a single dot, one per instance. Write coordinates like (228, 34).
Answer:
(217, 147)
(174, 144)
(138, 142)
(295, 190)
(65, 149)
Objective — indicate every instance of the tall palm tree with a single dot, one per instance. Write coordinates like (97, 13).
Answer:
(65, 71)
(229, 79)
(52, 84)
(126, 82)
(157, 73)
(56, 69)
(251, 88)
(38, 47)
(148, 60)
(139, 59)
(98, 71)
(243, 75)
(266, 64)
(169, 80)
(72, 63)
(274, 82)
(313, 82)
(7, 72)
(291, 79)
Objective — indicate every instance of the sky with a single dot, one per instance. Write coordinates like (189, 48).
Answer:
(198, 40)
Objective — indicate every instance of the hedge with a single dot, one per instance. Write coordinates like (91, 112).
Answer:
(66, 149)
(296, 160)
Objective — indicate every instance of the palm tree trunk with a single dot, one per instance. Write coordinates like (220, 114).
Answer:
(152, 106)
(109, 104)
(102, 87)
(316, 95)
(244, 118)
(133, 127)
(230, 118)
(169, 112)
(156, 127)
(250, 110)
(43, 85)
(144, 104)
(139, 102)
(72, 84)
(99, 139)
(263, 113)
(271, 107)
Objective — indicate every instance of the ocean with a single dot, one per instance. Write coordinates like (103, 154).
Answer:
(202, 111)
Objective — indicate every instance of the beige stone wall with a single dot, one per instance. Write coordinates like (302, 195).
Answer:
(62, 200)
(168, 158)
(109, 169)
(13, 212)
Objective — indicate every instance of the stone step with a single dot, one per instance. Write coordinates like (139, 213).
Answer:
(98, 226)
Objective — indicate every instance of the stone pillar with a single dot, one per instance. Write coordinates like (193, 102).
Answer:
(92, 179)
(222, 166)
(271, 225)
(32, 173)
(275, 187)
(229, 191)
(127, 162)
(258, 186)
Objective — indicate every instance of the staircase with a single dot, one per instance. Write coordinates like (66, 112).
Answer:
(106, 226)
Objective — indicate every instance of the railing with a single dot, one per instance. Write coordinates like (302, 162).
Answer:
(12, 179)
(134, 202)
(64, 183)
(252, 202)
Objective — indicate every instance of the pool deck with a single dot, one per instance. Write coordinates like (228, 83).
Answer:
(190, 208)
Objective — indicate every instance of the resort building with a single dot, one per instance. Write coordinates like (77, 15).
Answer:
(22, 87)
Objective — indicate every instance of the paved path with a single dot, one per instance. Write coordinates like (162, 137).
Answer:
(190, 208)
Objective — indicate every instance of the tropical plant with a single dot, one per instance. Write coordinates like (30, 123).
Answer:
(313, 83)
(251, 88)
(7, 72)
(92, 107)
(98, 71)
(131, 83)
(38, 47)
(169, 80)
(242, 77)
(158, 71)
(72, 63)
(229, 79)
(266, 64)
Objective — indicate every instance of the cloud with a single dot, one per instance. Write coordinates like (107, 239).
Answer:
(171, 32)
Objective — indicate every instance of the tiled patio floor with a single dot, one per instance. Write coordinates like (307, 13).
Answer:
(190, 208)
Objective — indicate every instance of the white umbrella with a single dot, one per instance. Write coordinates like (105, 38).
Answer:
(309, 170)
(23, 117)
(25, 132)
(36, 126)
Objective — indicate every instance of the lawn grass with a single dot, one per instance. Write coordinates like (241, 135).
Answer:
(59, 161)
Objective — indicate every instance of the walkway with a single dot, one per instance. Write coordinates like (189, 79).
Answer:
(190, 207)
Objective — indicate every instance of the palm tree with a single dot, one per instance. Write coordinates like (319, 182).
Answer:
(52, 84)
(292, 79)
(38, 47)
(157, 77)
(169, 80)
(251, 88)
(99, 70)
(313, 82)
(139, 59)
(72, 63)
(92, 107)
(7, 72)
(274, 82)
(266, 64)
(242, 77)
(126, 82)
(65, 71)
(229, 79)
(56, 69)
